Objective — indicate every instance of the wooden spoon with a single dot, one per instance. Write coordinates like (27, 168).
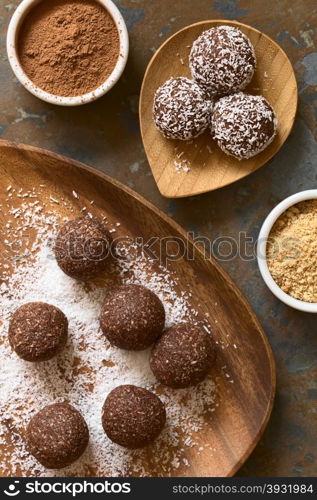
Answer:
(202, 166)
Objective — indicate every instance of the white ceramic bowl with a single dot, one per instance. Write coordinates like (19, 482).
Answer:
(261, 251)
(22, 10)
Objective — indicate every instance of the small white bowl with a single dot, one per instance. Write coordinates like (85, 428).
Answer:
(12, 36)
(262, 245)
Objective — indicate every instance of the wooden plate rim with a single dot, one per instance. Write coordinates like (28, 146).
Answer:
(211, 261)
(149, 66)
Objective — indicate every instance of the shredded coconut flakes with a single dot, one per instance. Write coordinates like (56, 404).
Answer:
(89, 367)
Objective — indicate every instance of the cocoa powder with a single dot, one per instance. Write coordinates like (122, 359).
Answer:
(68, 47)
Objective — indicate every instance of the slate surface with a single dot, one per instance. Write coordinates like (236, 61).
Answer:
(106, 134)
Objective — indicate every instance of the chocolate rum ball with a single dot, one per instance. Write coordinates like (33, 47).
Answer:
(243, 125)
(132, 317)
(222, 60)
(57, 435)
(82, 248)
(38, 331)
(180, 109)
(133, 417)
(183, 356)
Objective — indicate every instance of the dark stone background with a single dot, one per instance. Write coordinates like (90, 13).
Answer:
(106, 134)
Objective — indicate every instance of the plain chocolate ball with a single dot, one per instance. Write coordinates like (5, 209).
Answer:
(180, 109)
(132, 317)
(38, 331)
(243, 125)
(133, 417)
(183, 356)
(82, 248)
(222, 60)
(57, 436)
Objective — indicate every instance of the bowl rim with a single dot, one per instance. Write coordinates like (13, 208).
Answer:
(19, 15)
(265, 231)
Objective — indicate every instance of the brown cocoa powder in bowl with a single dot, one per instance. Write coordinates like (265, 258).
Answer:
(68, 47)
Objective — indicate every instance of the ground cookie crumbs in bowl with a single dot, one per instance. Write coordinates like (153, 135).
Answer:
(292, 251)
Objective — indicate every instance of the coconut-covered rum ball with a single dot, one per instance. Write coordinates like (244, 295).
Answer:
(132, 317)
(82, 248)
(183, 356)
(133, 417)
(57, 435)
(181, 110)
(222, 60)
(243, 125)
(38, 331)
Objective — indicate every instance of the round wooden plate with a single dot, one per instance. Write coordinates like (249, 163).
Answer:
(184, 169)
(237, 423)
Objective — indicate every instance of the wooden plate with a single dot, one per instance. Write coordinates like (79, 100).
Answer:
(236, 425)
(274, 79)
